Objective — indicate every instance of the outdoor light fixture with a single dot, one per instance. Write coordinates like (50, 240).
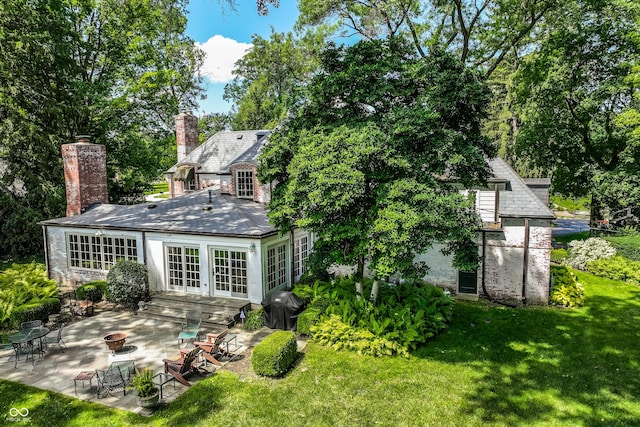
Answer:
(252, 247)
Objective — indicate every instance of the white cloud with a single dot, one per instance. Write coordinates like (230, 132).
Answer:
(221, 54)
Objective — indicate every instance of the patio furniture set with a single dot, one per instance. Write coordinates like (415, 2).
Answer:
(33, 339)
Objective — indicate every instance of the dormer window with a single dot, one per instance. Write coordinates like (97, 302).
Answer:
(244, 183)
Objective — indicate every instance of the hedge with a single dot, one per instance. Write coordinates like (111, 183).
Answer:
(35, 311)
(93, 291)
(274, 355)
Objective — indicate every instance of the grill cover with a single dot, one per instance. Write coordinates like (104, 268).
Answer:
(281, 310)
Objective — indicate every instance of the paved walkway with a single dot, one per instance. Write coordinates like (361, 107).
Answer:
(148, 342)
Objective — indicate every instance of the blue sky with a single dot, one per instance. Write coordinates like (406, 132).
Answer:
(225, 35)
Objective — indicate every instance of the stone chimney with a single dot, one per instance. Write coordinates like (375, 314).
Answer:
(186, 134)
(85, 175)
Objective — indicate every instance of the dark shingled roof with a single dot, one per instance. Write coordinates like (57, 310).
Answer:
(520, 201)
(188, 214)
(221, 150)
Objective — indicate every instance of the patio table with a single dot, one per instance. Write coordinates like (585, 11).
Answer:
(28, 336)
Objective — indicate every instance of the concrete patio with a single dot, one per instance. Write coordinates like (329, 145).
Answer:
(148, 342)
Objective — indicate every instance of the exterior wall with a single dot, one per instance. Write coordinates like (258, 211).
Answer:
(156, 243)
(85, 174)
(57, 256)
(266, 244)
(258, 189)
(186, 134)
(504, 264)
(207, 180)
(225, 184)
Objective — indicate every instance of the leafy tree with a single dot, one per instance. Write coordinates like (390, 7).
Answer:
(481, 33)
(113, 69)
(578, 103)
(363, 161)
(265, 79)
(209, 124)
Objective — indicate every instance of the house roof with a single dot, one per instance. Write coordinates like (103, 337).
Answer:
(222, 149)
(189, 214)
(520, 201)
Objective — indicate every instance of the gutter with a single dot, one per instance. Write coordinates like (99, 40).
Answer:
(525, 261)
(46, 250)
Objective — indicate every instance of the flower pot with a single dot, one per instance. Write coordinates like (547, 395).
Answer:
(149, 401)
(115, 341)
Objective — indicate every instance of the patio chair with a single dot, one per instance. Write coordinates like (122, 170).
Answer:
(190, 329)
(182, 367)
(213, 348)
(30, 325)
(110, 380)
(55, 337)
(25, 348)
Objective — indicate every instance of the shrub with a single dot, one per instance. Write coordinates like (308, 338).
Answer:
(584, 251)
(35, 311)
(559, 256)
(253, 322)
(23, 284)
(274, 355)
(308, 318)
(341, 336)
(567, 292)
(616, 268)
(627, 246)
(93, 291)
(128, 283)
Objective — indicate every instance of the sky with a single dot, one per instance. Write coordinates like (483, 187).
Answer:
(225, 35)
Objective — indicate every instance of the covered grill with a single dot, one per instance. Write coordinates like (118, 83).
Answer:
(281, 309)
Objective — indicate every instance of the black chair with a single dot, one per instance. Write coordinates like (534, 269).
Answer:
(30, 325)
(25, 348)
(110, 380)
(55, 338)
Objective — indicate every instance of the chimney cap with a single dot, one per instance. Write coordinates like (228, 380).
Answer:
(185, 110)
(83, 139)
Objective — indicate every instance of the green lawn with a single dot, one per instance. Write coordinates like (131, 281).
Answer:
(495, 366)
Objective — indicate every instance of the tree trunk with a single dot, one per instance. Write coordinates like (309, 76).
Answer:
(359, 275)
(374, 291)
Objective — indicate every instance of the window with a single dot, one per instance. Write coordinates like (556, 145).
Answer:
(99, 252)
(276, 266)
(183, 267)
(244, 184)
(230, 272)
(300, 253)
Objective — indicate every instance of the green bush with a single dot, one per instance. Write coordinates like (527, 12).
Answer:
(35, 311)
(308, 318)
(341, 336)
(559, 256)
(93, 291)
(253, 322)
(566, 292)
(23, 284)
(626, 246)
(128, 283)
(275, 354)
(616, 268)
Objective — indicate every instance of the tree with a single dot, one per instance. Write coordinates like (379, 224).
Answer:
(481, 33)
(363, 161)
(209, 124)
(113, 69)
(266, 77)
(578, 102)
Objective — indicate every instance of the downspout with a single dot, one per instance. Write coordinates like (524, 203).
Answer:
(525, 261)
(46, 251)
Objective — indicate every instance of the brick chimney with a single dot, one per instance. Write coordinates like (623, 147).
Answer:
(186, 134)
(85, 175)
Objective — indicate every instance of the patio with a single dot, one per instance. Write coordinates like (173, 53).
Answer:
(148, 342)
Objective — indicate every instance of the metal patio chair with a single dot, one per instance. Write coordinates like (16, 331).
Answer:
(190, 329)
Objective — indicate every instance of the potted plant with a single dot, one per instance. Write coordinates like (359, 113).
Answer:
(148, 392)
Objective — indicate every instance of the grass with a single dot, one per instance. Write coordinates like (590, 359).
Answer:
(158, 187)
(566, 238)
(495, 366)
(570, 204)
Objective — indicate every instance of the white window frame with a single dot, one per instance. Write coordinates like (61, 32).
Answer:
(183, 267)
(233, 280)
(300, 254)
(99, 252)
(244, 184)
(277, 266)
